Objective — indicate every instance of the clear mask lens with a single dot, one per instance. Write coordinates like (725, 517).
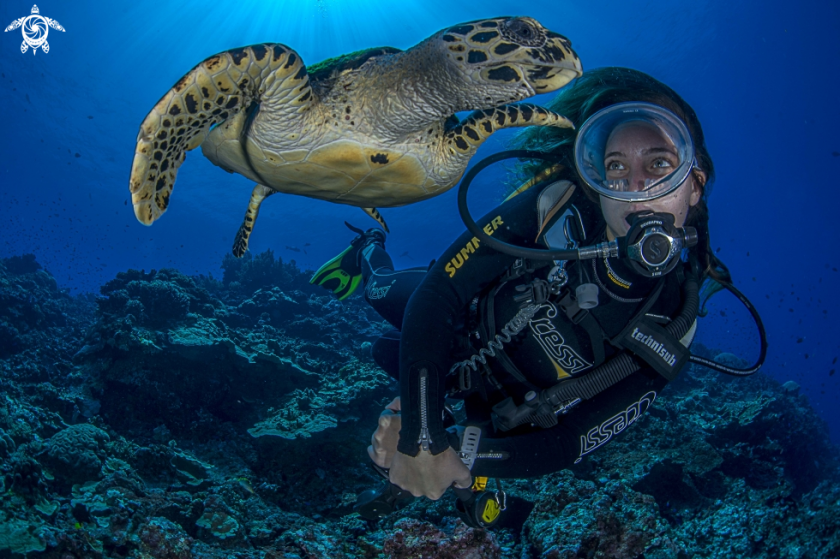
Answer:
(635, 140)
(623, 185)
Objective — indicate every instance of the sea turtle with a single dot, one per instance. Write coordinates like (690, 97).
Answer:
(375, 128)
(35, 29)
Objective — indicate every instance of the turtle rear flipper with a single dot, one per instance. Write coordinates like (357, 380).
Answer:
(240, 244)
(209, 94)
(374, 213)
(258, 196)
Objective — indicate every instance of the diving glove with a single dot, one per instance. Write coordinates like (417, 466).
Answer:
(343, 274)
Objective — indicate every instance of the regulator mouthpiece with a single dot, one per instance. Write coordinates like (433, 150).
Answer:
(653, 244)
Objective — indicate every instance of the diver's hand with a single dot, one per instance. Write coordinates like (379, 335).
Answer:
(383, 443)
(428, 475)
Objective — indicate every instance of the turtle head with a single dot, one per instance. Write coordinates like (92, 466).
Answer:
(508, 59)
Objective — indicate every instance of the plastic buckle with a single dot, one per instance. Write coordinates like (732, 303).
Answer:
(537, 292)
(542, 291)
(520, 267)
(572, 310)
(578, 317)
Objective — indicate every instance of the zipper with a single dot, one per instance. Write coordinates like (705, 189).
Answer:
(424, 441)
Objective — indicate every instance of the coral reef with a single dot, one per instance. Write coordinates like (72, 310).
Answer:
(75, 454)
(39, 323)
(453, 540)
(574, 518)
(159, 335)
(178, 417)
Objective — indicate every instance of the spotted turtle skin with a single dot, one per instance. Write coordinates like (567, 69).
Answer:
(375, 128)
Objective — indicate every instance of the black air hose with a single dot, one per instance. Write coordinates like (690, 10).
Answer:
(680, 326)
(623, 365)
(599, 379)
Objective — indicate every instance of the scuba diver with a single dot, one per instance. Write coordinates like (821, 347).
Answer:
(556, 320)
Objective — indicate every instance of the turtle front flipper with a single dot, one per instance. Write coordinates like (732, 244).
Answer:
(465, 139)
(258, 195)
(209, 94)
(374, 213)
(15, 24)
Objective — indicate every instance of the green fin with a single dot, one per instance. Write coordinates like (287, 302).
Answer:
(341, 275)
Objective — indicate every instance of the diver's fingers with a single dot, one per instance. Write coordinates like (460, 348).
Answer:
(394, 405)
(385, 419)
(379, 456)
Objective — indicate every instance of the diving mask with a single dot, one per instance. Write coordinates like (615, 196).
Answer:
(606, 162)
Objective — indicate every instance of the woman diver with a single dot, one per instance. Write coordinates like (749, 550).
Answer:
(512, 364)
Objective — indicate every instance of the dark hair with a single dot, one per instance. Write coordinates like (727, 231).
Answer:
(600, 88)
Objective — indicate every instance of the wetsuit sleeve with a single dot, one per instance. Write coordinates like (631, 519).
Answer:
(436, 309)
(586, 427)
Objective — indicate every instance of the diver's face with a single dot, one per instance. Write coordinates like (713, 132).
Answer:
(636, 152)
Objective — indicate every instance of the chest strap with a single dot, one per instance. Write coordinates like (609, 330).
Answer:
(659, 349)
(585, 319)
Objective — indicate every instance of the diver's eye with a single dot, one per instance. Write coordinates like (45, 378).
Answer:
(661, 166)
(614, 166)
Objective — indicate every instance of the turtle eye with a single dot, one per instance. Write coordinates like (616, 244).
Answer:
(522, 32)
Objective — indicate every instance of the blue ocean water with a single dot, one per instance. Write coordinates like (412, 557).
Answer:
(761, 76)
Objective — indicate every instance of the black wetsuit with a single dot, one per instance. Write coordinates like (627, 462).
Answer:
(437, 312)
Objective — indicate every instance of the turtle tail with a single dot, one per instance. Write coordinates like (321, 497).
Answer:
(213, 91)
(467, 137)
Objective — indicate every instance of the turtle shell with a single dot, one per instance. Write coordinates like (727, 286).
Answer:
(322, 74)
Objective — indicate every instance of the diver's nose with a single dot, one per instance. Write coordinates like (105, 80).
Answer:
(637, 181)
